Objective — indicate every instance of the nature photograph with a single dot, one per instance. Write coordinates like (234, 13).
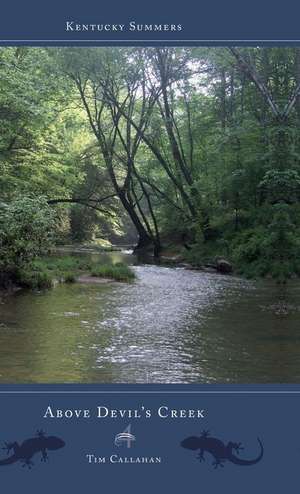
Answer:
(149, 214)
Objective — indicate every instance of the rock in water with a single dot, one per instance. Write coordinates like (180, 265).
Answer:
(223, 266)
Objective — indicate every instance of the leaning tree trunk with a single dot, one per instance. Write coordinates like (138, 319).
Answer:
(144, 239)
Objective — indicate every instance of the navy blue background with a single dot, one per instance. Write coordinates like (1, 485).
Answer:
(233, 413)
(206, 21)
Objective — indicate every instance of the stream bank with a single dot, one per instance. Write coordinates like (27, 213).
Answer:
(172, 325)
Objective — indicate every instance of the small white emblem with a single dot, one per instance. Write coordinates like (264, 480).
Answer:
(125, 437)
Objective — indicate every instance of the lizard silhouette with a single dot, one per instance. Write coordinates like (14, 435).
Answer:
(25, 451)
(220, 451)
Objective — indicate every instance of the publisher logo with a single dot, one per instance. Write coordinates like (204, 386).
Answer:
(125, 438)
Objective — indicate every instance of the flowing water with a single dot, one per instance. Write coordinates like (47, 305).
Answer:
(170, 326)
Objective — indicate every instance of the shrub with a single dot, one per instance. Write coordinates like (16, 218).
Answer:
(26, 232)
(272, 249)
(34, 279)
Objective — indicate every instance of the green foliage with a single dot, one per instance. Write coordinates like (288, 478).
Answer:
(279, 186)
(211, 166)
(272, 249)
(82, 224)
(69, 278)
(26, 232)
(68, 268)
(33, 278)
(118, 272)
(59, 266)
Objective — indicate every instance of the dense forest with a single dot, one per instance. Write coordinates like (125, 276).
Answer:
(186, 151)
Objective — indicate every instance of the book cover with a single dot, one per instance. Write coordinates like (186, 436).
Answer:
(149, 247)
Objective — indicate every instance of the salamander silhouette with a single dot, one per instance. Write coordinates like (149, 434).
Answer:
(219, 450)
(25, 451)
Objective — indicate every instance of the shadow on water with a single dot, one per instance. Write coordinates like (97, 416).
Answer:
(171, 326)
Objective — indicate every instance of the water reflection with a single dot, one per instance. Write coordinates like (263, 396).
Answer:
(172, 325)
